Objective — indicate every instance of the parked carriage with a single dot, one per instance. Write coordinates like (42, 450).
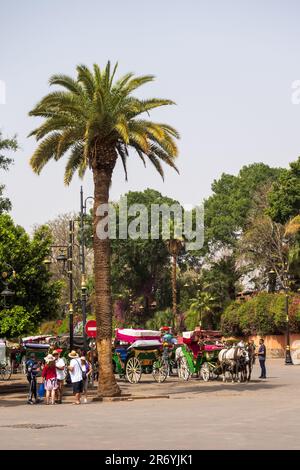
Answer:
(138, 352)
(5, 369)
(194, 357)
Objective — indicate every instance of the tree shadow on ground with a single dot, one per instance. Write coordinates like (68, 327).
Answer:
(196, 386)
(9, 402)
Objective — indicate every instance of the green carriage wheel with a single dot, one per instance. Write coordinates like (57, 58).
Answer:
(183, 369)
(205, 372)
(160, 371)
(133, 370)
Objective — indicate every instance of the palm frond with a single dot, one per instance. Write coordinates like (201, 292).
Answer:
(140, 140)
(122, 151)
(155, 161)
(46, 150)
(85, 77)
(136, 82)
(74, 163)
(67, 82)
(122, 129)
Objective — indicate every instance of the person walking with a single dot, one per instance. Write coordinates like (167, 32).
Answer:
(76, 376)
(32, 370)
(86, 368)
(60, 373)
(262, 358)
(50, 378)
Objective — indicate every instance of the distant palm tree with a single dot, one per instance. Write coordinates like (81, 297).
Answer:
(201, 307)
(97, 120)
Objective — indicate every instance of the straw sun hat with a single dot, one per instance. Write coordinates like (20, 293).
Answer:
(73, 355)
(49, 358)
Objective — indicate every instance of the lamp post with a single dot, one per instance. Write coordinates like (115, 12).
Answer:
(288, 358)
(83, 273)
(62, 258)
(70, 275)
(6, 293)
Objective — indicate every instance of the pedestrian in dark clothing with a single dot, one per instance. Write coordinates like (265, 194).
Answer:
(32, 370)
(262, 358)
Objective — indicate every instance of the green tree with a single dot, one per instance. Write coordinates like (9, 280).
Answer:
(284, 198)
(36, 296)
(5, 145)
(227, 209)
(263, 314)
(201, 311)
(141, 266)
(99, 120)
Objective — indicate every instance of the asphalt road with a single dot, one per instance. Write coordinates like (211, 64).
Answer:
(258, 415)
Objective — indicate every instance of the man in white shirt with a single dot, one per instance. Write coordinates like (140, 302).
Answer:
(60, 373)
(76, 376)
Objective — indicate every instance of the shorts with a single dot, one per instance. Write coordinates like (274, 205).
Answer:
(77, 387)
(85, 384)
(51, 384)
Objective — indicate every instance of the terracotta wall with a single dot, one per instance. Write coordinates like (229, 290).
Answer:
(275, 344)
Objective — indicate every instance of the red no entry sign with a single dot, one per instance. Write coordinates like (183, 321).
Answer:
(91, 329)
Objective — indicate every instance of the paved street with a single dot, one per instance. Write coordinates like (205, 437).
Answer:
(258, 415)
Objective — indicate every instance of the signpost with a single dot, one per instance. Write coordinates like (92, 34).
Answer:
(91, 331)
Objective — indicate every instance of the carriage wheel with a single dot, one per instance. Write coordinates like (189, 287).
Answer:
(205, 372)
(160, 370)
(5, 373)
(133, 370)
(183, 369)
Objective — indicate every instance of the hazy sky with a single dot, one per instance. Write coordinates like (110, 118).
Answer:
(229, 65)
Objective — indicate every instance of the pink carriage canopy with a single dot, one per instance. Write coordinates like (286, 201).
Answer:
(130, 335)
(187, 337)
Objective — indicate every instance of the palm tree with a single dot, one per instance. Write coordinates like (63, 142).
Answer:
(97, 120)
(203, 305)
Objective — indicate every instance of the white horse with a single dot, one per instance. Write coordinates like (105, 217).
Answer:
(233, 360)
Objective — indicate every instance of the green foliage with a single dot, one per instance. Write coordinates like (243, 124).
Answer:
(284, 198)
(17, 321)
(161, 318)
(227, 209)
(34, 291)
(263, 314)
(5, 162)
(201, 311)
(95, 115)
(140, 271)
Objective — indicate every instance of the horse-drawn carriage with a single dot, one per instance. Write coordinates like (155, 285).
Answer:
(197, 357)
(137, 352)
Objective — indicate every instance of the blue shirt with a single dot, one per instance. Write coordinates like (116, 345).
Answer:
(262, 352)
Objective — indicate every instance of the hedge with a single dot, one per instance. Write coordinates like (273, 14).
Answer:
(263, 314)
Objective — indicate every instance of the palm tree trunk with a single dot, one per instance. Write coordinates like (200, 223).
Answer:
(107, 385)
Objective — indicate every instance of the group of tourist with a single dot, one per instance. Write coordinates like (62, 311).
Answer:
(54, 373)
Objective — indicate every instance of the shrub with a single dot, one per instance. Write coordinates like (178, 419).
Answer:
(263, 314)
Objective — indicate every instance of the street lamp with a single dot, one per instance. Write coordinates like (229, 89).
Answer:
(62, 258)
(288, 358)
(6, 293)
(83, 273)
